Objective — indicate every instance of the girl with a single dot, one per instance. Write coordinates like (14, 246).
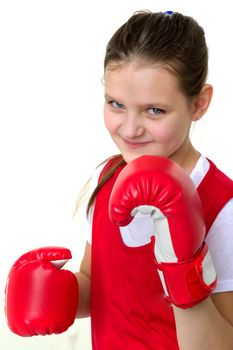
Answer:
(155, 72)
(155, 87)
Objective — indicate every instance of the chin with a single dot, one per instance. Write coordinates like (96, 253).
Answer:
(130, 157)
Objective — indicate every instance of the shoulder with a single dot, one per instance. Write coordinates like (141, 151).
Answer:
(206, 172)
(103, 170)
(215, 177)
(214, 187)
(110, 166)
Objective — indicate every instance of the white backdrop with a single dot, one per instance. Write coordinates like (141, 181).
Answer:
(51, 127)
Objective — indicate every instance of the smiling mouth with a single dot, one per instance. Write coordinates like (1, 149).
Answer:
(135, 145)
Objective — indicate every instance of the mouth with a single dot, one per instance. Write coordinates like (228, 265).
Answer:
(136, 145)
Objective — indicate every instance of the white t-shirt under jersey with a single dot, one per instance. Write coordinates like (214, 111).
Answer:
(219, 238)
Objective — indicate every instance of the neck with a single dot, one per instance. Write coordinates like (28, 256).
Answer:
(187, 158)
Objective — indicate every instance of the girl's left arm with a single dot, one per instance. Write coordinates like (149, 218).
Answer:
(208, 325)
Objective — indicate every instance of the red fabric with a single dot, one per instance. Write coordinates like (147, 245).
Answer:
(128, 305)
(215, 190)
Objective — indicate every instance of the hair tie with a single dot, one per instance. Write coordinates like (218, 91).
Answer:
(168, 12)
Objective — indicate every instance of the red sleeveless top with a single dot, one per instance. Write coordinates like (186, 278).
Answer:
(129, 310)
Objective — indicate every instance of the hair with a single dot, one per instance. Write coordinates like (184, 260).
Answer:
(175, 41)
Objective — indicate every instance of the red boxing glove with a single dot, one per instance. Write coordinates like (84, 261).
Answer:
(161, 190)
(40, 298)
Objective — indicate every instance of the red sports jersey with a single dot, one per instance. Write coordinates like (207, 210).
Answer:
(128, 305)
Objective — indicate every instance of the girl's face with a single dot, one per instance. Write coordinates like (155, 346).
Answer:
(146, 113)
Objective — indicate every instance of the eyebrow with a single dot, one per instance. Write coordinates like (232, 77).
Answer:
(108, 97)
(148, 105)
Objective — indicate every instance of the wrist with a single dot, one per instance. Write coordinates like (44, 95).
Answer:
(188, 283)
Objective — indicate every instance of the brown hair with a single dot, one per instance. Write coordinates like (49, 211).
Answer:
(116, 162)
(174, 40)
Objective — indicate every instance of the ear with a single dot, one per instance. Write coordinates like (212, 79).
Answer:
(202, 102)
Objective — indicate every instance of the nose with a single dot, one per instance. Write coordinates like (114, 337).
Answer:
(132, 126)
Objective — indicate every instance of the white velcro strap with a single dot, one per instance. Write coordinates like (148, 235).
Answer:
(209, 273)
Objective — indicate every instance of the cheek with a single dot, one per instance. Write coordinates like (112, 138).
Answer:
(107, 120)
(170, 133)
(111, 121)
(162, 134)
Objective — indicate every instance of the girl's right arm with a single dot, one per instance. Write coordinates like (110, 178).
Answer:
(84, 279)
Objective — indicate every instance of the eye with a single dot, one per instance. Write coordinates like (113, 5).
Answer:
(116, 105)
(155, 111)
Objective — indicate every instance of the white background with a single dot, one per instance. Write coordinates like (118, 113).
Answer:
(51, 127)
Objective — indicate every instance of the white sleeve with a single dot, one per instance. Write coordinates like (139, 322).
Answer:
(220, 242)
(84, 221)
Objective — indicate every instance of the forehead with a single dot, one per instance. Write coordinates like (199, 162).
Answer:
(141, 80)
